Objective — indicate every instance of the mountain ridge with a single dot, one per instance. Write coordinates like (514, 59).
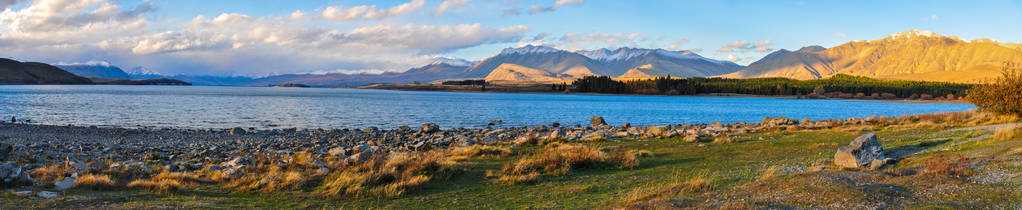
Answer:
(909, 55)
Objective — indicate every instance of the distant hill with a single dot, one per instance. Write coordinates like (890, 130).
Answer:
(910, 55)
(160, 81)
(98, 71)
(15, 72)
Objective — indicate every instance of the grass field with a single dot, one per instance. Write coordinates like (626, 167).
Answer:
(765, 169)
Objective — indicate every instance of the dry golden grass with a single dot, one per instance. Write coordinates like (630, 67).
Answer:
(771, 172)
(560, 159)
(51, 174)
(1005, 134)
(95, 182)
(669, 190)
(184, 178)
(478, 151)
(388, 176)
(274, 179)
(165, 186)
(514, 179)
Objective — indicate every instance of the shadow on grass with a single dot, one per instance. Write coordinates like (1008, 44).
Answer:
(902, 151)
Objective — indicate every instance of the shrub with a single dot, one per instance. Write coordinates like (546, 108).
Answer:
(1003, 95)
(95, 182)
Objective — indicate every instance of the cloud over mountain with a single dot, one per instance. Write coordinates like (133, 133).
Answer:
(229, 43)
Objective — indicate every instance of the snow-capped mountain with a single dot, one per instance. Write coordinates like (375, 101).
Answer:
(452, 61)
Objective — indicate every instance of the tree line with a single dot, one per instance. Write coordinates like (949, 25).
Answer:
(837, 85)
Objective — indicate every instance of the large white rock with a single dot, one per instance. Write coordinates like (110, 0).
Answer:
(861, 153)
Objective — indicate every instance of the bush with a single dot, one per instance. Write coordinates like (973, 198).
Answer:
(1003, 95)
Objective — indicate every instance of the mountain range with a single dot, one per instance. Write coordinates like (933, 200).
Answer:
(910, 55)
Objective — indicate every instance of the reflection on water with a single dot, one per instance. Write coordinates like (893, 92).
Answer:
(264, 107)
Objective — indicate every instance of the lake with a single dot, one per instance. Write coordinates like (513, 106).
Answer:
(266, 107)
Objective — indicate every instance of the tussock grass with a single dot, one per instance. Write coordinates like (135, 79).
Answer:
(388, 176)
(51, 173)
(273, 179)
(95, 182)
(164, 186)
(560, 159)
(478, 151)
(1005, 134)
(669, 190)
(184, 178)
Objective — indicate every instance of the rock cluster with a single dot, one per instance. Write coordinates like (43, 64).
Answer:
(146, 150)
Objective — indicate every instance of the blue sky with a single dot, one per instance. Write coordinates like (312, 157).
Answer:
(260, 37)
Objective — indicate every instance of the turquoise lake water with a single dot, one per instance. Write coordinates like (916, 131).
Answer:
(266, 107)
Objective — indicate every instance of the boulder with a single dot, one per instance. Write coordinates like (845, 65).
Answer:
(48, 194)
(337, 152)
(236, 131)
(429, 128)
(11, 174)
(597, 121)
(65, 184)
(861, 153)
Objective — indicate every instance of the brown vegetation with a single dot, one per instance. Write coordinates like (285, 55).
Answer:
(560, 159)
(388, 176)
(95, 182)
(1003, 94)
(947, 166)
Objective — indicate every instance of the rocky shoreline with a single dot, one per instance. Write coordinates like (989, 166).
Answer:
(24, 147)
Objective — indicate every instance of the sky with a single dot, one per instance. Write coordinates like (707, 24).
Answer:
(270, 37)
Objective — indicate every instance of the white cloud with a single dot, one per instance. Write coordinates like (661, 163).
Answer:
(732, 58)
(535, 9)
(342, 14)
(746, 46)
(840, 34)
(449, 4)
(231, 43)
(675, 45)
(560, 3)
(512, 11)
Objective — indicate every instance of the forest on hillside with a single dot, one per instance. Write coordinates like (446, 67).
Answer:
(838, 86)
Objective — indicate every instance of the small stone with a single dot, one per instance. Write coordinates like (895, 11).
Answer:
(48, 194)
(597, 121)
(429, 128)
(23, 193)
